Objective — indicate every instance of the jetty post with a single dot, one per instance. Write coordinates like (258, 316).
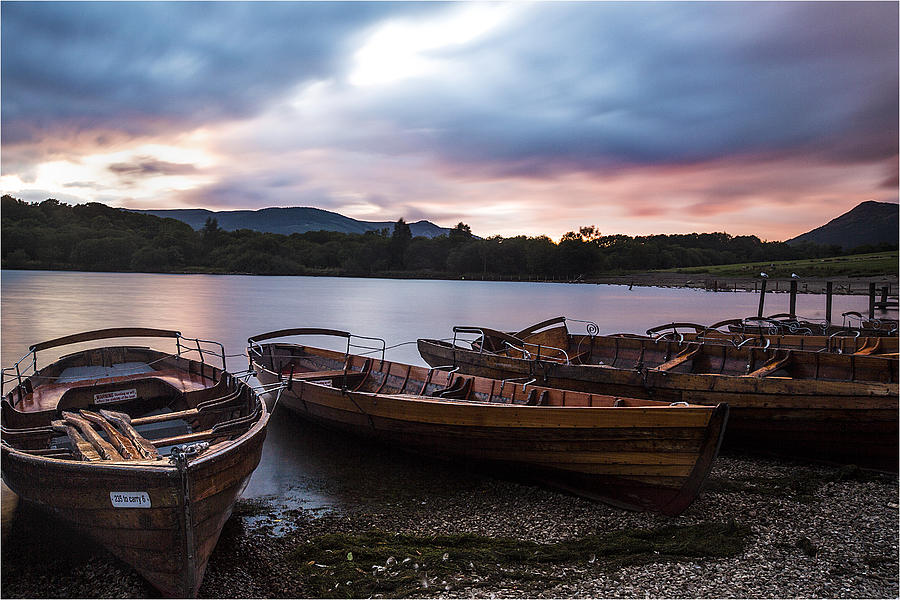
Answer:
(793, 304)
(762, 297)
(872, 300)
(829, 292)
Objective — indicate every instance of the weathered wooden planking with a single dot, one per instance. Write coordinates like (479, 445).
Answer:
(853, 408)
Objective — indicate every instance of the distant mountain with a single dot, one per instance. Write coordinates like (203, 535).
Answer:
(289, 220)
(869, 223)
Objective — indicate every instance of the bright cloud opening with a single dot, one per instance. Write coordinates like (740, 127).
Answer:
(400, 49)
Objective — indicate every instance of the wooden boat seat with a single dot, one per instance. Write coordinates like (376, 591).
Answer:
(314, 375)
(537, 400)
(352, 377)
(49, 397)
(459, 389)
(228, 428)
(94, 372)
(678, 360)
(770, 367)
(578, 359)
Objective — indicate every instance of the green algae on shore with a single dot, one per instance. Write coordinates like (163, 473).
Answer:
(352, 565)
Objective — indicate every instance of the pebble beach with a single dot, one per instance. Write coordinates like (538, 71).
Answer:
(761, 528)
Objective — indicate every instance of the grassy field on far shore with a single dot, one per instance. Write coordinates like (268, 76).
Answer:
(854, 265)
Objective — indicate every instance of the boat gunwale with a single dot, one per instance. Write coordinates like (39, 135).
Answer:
(425, 399)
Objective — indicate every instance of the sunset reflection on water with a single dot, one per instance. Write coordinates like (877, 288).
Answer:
(40, 305)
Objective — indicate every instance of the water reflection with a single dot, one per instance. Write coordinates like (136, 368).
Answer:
(307, 466)
(40, 305)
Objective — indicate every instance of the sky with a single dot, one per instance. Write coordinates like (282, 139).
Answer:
(521, 118)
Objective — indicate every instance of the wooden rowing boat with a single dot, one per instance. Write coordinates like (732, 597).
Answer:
(784, 323)
(816, 405)
(841, 344)
(142, 450)
(637, 454)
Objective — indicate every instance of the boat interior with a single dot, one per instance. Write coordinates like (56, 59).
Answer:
(296, 363)
(123, 403)
(556, 344)
(841, 342)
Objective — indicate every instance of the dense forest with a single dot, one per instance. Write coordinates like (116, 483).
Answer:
(95, 237)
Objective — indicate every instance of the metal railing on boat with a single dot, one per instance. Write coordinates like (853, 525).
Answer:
(103, 334)
(255, 348)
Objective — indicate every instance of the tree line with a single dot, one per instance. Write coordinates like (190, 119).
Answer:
(96, 237)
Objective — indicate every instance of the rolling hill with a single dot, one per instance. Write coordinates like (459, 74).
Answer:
(869, 223)
(289, 220)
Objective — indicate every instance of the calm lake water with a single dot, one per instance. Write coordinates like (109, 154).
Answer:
(303, 465)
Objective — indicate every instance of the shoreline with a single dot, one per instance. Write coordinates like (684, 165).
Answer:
(853, 286)
(781, 529)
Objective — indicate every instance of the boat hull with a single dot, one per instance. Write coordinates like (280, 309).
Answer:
(640, 458)
(836, 421)
(167, 544)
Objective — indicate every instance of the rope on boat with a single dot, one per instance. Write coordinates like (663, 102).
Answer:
(387, 347)
(397, 346)
(278, 386)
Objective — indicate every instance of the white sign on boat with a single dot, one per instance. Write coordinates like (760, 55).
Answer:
(116, 396)
(130, 499)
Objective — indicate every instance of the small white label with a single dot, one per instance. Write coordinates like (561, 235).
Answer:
(130, 499)
(118, 396)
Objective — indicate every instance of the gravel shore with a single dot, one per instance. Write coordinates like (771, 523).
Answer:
(798, 530)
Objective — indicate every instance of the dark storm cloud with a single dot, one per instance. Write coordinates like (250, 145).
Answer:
(143, 68)
(151, 166)
(560, 87)
(600, 85)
